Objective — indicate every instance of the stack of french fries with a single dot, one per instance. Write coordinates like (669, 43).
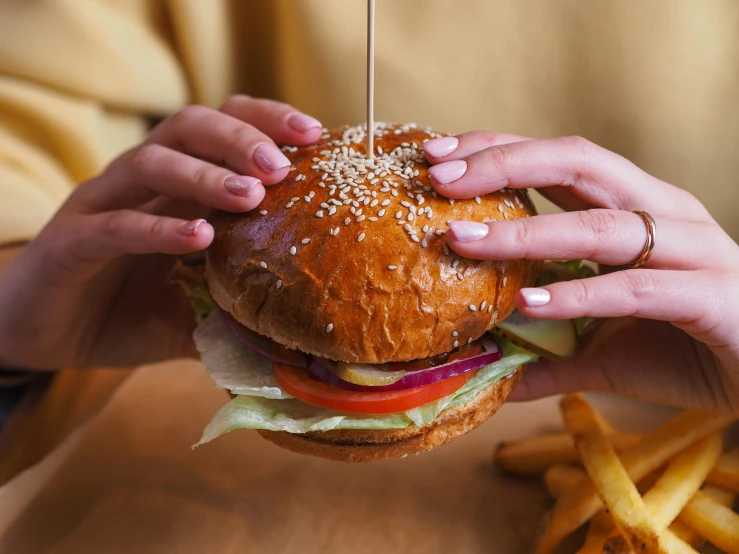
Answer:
(669, 491)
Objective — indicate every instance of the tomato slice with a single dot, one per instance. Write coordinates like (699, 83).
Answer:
(302, 386)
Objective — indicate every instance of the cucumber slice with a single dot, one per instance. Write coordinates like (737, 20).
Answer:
(550, 338)
(367, 374)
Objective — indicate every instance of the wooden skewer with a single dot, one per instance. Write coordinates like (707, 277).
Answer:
(370, 79)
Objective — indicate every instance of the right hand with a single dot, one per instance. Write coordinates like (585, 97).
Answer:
(91, 289)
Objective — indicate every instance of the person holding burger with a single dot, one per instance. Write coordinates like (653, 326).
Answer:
(92, 289)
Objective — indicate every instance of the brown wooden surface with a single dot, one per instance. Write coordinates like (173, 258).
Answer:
(54, 405)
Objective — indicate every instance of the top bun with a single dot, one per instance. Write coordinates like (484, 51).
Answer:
(347, 258)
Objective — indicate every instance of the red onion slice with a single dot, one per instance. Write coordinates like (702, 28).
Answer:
(324, 371)
(261, 345)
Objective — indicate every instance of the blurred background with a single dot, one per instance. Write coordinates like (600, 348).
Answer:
(658, 81)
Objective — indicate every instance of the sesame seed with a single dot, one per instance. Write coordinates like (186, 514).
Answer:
(361, 236)
(409, 217)
(361, 218)
(482, 306)
(374, 203)
(324, 205)
(469, 340)
(293, 250)
(263, 212)
(306, 198)
(347, 221)
(439, 232)
(455, 344)
(372, 218)
(332, 210)
(329, 327)
(392, 267)
(460, 276)
(425, 229)
(408, 227)
(385, 202)
(289, 205)
(279, 283)
(305, 241)
(455, 262)
(500, 208)
(455, 334)
(414, 238)
(477, 199)
(319, 213)
(263, 265)
(394, 192)
(424, 243)
(451, 201)
(398, 214)
(445, 248)
(381, 212)
(505, 280)
(473, 308)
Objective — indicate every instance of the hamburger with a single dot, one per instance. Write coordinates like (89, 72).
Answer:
(342, 324)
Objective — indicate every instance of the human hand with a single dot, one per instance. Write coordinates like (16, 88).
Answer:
(675, 340)
(92, 288)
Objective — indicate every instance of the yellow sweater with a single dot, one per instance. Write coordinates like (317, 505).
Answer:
(656, 81)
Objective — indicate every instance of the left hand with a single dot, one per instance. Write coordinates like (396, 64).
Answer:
(676, 338)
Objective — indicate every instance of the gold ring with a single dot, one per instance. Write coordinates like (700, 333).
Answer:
(649, 245)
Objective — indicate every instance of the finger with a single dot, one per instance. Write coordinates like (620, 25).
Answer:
(223, 140)
(104, 236)
(674, 296)
(609, 237)
(153, 170)
(281, 122)
(644, 359)
(444, 149)
(596, 175)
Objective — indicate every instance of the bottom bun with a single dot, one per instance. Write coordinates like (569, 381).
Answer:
(368, 445)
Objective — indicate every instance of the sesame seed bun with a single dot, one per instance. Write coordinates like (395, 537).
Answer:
(368, 445)
(342, 260)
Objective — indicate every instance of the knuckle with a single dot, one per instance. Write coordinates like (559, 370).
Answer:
(234, 101)
(143, 158)
(599, 223)
(157, 227)
(501, 157)
(188, 114)
(114, 224)
(638, 284)
(581, 292)
(524, 233)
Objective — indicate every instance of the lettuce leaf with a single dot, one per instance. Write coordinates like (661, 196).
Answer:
(230, 364)
(258, 406)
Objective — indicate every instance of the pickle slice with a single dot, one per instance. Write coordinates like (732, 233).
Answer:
(550, 338)
(367, 374)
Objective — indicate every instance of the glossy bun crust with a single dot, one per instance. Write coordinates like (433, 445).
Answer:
(368, 445)
(342, 260)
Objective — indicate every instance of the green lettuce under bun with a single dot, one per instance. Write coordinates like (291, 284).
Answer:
(261, 403)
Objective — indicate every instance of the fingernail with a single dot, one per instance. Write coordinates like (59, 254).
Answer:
(468, 231)
(241, 185)
(534, 298)
(269, 158)
(302, 123)
(440, 147)
(448, 172)
(190, 228)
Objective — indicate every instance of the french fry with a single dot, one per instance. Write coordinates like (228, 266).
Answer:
(598, 532)
(726, 472)
(577, 505)
(683, 477)
(559, 478)
(713, 521)
(610, 478)
(674, 544)
(721, 496)
(534, 455)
